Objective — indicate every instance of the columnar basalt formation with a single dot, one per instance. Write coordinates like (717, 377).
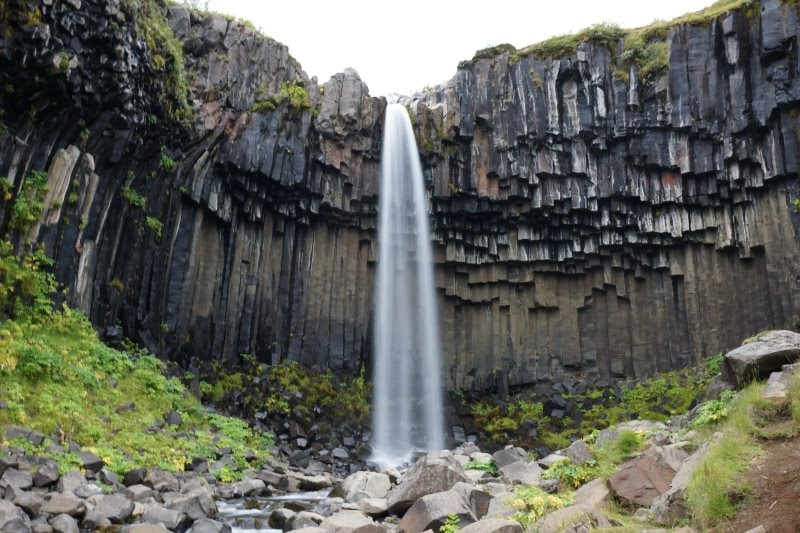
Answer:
(584, 224)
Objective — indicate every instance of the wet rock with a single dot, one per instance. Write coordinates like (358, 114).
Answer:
(764, 355)
(431, 512)
(435, 472)
(206, 525)
(306, 519)
(65, 503)
(12, 518)
(279, 518)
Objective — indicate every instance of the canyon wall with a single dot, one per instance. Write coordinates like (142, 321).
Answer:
(586, 223)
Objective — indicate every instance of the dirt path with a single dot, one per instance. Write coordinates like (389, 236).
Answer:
(775, 481)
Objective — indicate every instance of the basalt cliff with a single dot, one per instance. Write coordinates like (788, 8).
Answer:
(208, 199)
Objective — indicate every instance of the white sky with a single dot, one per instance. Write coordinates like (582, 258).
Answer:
(400, 47)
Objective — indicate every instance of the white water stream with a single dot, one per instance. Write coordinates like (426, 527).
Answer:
(407, 384)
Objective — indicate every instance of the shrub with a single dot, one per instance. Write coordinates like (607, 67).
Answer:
(571, 475)
(486, 466)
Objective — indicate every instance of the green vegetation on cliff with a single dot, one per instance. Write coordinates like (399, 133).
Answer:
(56, 377)
(646, 47)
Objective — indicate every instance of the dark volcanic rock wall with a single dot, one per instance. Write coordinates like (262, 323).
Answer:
(583, 225)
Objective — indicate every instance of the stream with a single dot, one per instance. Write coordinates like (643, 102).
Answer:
(242, 519)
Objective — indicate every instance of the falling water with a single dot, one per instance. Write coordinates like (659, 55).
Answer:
(407, 394)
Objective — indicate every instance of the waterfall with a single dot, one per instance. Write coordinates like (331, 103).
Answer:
(406, 383)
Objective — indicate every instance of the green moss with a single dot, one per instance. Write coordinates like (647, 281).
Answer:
(156, 225)
(487, 53)
(166, 55)
(292, 93)
(133, 198)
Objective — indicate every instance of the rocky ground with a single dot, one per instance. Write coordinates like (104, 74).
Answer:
(464, 488)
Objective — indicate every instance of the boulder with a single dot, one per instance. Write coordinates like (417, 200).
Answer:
(206, 525)
(249, 487)
(670, 506)
(569, 517)
(500, 506)
(138, 493)
(279, 518)
(46, 474)
(90, 461)
(34, 437)
(94, 521)
(65, 503)
(435, 472)
(85, 490)
(65, 523)
(19, 479)
(579, 453)
(312, 482)
(593, 493)
(374, 506)
(29, 502)
(196, 504)
(116, 508)
(779, 382)
(13, 519)
(134, 477)
(365, 485)
(493, 525)
(350, 522)
(764, 355)
(477, 499)
(160, 481)
(431, 512)
(638, 482)
(508, 456)
(70, 482)
(40, 525)
(306, 519)
(521, 472)
(173, 520)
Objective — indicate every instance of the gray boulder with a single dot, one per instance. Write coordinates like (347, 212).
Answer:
(13, 519)
(29, 502)
(94, 521)
(91, 461)
(279, 518)
(145, 528)
(19, 479)
(431, 512)
(196, 504)
(508, 456)
(521, 472)
(493, 525)
(350, 522)
(64, 523)
(638, 482)
(40, 525)
(365, 485)
(206, 525)
(477, 499)
(70, 482)
(305, 520)
(593, 493)
(34, 437)
(116, 508)
(374, 506)
(579, 453)
(764, 355)
(250, 487)
(435, 472)
(65, 503)
(46, 474)
(161, 481)
(173, 520)
(570, 517)
(138, 493)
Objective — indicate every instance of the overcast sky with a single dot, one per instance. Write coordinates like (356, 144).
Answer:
(400, 47)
